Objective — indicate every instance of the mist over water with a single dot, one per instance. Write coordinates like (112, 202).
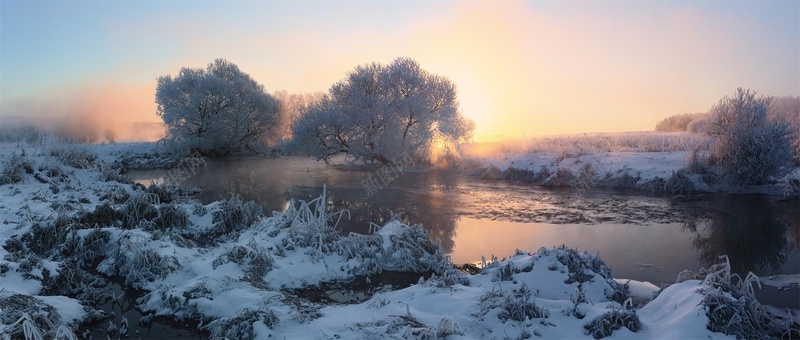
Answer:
(102, 113)
(642, 236)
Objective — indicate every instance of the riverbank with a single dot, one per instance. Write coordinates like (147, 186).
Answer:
(646, 161)
(68, 217)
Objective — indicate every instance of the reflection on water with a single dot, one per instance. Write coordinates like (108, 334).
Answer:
(642, 236)
(655, 253)
(750, 229)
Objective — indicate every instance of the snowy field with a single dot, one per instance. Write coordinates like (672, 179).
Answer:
(652, 161)
(68, 216)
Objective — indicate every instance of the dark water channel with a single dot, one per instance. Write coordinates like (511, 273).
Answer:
(643, 236)
(125, 321)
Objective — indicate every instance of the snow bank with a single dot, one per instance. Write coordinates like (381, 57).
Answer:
(651, 161)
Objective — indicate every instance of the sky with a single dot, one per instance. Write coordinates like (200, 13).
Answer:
(522, 69)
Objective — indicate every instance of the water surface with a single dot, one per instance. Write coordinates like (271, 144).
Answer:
(642, 236)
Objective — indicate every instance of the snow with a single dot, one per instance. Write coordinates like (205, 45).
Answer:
(785, 281)
(678, 313)
(642, 160)
(639, 290)
(70, 310)
(240, 285)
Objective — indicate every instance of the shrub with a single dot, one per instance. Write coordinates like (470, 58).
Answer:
(70, 154)
(164, 192)
(93, 245)
(171, 216)
(749, 146)
(235, 214)
(604, 325)
(519, 306)
(136, 262)
(18, 166)
(254, 258)
(732, 308)
(563, 177)
(678, 123)
(679, 183)
(138, 208)
(43, 239)
(240, 326)
(26, 317)
(113, 172)
(519, 175)
(103, 216)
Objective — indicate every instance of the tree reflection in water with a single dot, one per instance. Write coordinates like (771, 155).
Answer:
(750, 229)
(271, 184)
(432, 207)
(758, 233)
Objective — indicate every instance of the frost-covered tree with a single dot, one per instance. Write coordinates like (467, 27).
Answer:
(678, 123)
(748, 145)
(379, 112)
(216, 111)
(292, 106)
(788, 110)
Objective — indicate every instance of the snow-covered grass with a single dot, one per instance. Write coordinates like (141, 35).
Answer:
(235, 271)
(675, 162)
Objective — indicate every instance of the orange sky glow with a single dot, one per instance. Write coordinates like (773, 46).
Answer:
(522, 69)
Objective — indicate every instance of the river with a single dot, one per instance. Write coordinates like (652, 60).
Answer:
(641, 235)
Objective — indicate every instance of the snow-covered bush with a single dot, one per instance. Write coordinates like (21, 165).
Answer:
(582, 267)
(411, 250)
(164, 192)
(255, 260)
(788, 109)
(604, 325)
(234, 214)
(139, 207)
(732, 308)
(171, 216)
(44, 238)
(749, 146)
(518, 306)
(136, 262)
(678, 123)
(219, 111)
(240, 326)
(113, 172)
(489, 172)
(519, 175)
(563, 177)
(679, 182)
(103, 216)
(15, 170)
(26, 317)
(93, 245)
(70, 154)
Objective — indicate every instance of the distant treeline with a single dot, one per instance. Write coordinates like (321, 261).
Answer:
(678, 123)
(785, 108)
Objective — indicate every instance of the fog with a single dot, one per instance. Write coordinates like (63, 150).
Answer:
(92, 114)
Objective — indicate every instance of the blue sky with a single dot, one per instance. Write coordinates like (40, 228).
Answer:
(560, 67)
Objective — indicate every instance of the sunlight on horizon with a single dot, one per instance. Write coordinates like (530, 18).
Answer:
(522, 69)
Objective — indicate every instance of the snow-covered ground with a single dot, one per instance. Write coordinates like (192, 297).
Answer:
(68, 215)
(653, 161)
